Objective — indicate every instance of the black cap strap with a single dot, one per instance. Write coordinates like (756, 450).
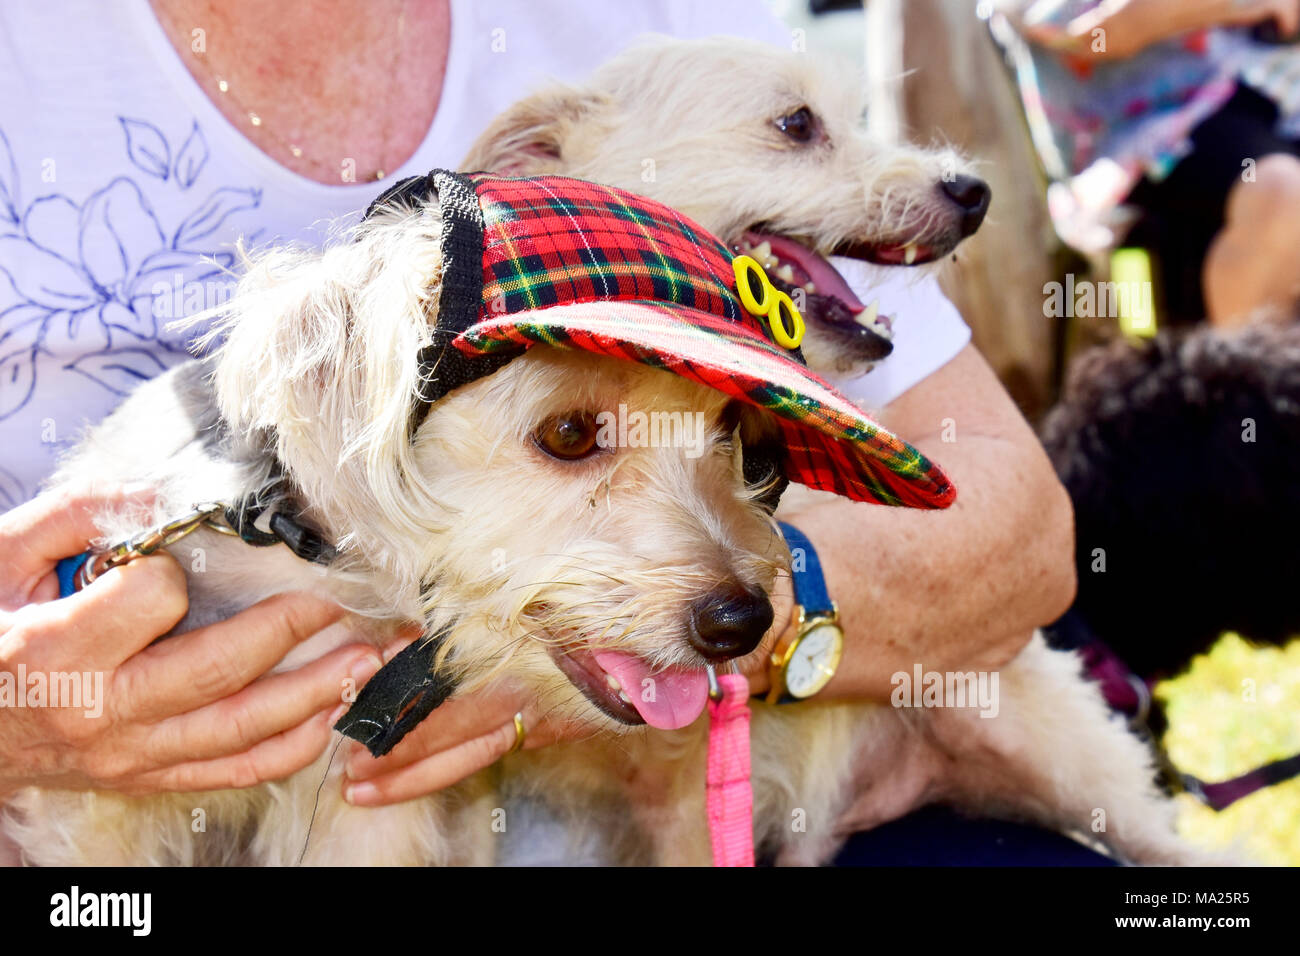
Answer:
(404, 692)
(443, 367)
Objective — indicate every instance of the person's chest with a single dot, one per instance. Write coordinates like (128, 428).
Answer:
(337, 93)
(123, 194)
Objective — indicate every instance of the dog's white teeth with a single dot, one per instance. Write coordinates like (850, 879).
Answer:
(785, 273)
(624, 698)
(613, 683)
(909, 253)
(763, 251)
(809, 288)
(867, 316)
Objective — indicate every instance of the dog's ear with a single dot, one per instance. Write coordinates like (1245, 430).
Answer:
(537, 135)
(281, 337)
(320, 357)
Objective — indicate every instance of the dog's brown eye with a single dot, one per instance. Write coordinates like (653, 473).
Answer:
(569, 436)
(799, 125)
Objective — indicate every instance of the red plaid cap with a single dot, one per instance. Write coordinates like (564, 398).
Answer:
(571, 264)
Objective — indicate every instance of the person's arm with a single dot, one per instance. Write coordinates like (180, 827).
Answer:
(960, 589)
(1130, 26)
(193, 712)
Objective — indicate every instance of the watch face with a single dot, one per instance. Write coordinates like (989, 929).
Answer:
(814, 660)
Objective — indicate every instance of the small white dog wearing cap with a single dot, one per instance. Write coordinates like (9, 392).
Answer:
(415, 423)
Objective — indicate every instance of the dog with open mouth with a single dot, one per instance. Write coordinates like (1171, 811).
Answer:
(766, 149)
(425, 403)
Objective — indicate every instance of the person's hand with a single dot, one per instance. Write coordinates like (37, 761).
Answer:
(468, 734)
(461, 737)
(1129, 26)
(188, 713)
(1285, 13)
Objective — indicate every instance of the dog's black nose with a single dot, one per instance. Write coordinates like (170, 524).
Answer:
(972, 195)
(729, 622)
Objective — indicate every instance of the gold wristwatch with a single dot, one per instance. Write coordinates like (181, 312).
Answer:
(802, 664)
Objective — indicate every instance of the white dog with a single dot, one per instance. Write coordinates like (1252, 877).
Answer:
(766, 150)
(310, 401)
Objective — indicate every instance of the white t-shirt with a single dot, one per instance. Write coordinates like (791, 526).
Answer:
(928, 329)
(119, 178)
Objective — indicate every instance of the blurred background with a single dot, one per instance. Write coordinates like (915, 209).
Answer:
(1133, 288)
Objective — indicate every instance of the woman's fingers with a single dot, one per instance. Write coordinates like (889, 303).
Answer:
(1287, 14)
(186, 672)
(121, 612)
(457, 721)
(272, 759)
(52, 526)
(420, 771)
(265, 708)
(435, 772)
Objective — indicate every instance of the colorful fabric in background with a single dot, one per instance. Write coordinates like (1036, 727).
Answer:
(571, 264)
(1134, 115)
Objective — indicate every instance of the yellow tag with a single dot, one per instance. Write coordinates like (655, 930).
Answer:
(1130, 276)
(759, 296)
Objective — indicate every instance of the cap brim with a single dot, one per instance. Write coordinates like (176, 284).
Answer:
(831, 445)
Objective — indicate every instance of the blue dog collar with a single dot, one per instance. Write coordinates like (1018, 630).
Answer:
(67, 573)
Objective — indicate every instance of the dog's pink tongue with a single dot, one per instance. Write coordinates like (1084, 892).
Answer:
(677, 695)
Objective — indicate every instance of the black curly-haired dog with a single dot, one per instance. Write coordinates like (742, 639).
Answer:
(1182, 457)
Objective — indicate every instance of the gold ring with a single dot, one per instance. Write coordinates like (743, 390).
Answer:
(520, 733)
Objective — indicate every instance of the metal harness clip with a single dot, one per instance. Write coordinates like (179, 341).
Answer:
(148, 542)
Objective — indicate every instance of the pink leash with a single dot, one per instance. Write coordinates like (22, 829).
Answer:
(730, 796)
